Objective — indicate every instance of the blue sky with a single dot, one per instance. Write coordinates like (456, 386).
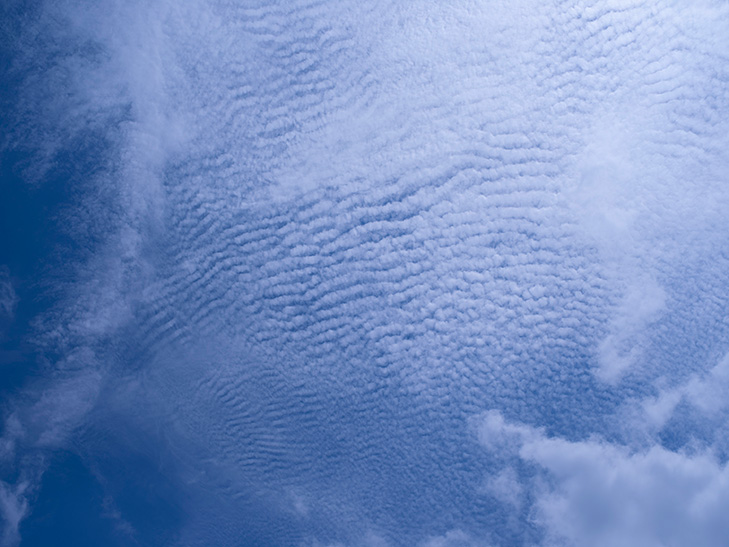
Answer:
(364, 273)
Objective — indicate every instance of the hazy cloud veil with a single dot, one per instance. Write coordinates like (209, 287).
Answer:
(379, 272)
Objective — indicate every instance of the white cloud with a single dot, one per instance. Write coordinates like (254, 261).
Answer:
(52, 414)
(13, 508)
(454, 538)
(708, 391)
(344, 228)
(497, 435)
(605, 495)
(622, 347)
(704, 391)
(8, 296)
(505, 487)
(601, 494)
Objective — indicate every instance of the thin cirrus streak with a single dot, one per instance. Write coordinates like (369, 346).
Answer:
(325, 247)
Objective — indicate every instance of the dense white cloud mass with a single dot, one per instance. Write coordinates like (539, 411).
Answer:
(366, 273)
(599, 493)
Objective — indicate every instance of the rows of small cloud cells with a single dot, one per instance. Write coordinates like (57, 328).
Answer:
(379, 273)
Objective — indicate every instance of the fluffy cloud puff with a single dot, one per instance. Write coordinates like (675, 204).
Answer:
(601, 494)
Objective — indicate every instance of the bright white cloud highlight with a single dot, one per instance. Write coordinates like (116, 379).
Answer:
(601, 494)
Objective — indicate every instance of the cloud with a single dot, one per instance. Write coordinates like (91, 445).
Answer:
(603, 494)
(8, 297)
(330, 233)
(703, 391)
(13, 507)
(454, 538)
(496, 434)
(50, 414)
(506, 487)
(623, 346)
(608, 496)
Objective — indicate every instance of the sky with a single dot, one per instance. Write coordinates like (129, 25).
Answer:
(364, 273)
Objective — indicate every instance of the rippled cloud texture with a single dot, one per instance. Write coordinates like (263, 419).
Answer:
(365, 273)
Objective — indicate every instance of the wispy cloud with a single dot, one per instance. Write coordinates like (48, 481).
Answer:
(8, 297)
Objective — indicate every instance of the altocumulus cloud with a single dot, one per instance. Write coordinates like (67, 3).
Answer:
(364, 273)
